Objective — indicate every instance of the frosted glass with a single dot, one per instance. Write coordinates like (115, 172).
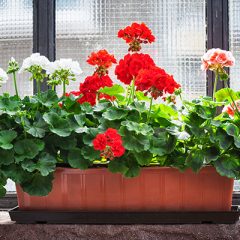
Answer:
(16, 32)
(234, 32)
(179, 26)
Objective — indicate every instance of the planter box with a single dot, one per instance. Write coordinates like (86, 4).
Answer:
(156, 189)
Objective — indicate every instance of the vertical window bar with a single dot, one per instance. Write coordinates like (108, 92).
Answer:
(44, 31)
(217, 33)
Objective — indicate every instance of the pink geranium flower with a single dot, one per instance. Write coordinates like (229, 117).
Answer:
(216, 58)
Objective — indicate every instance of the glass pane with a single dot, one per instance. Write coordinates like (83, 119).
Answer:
(16, 33)
(16, 30)
(179, 26)
(234, 32)
(234, 39)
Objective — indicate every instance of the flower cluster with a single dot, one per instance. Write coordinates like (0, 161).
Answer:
(34, 60)
(109, 143)
(156, 82)
(131, 64)
(100, 79)
(217, 58)
(136, 34)
(89, 88)
(103, 60)
(230, 109)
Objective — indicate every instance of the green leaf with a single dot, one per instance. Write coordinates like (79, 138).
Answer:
(57, 125)
(6, 157)
(2, 191)
(138, 128)
(237, 141)
(116, 91)
(38, 185)
(10, 105)
(114, 113)
(133, 169)
(195, 160)
(222, 139)
(232, 129)
(48, 98)
(141, 96)
(6, 137)
(80, 119)
(37, 129)
(163, 111)
(227, 165)
(15, 172)
(223, 95)
(76, 160)
(143, 158)
(117, 166)
(210, 154)
(45, 164)
(90, 154)
(134, 142)
(162, 142)
(27, 149)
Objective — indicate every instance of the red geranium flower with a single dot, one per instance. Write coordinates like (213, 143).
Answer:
(156, 82)
(135, 35)
(103, 60)
(89, 88)
(109, 143)
(131, 64)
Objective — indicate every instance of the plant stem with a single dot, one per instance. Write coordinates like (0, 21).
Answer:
(215, 84)
(133, 89)
(15, 83)
(131, 95)
(64, 88)
(230, 95)
(38, 87)
(53, 87)
(150, 108)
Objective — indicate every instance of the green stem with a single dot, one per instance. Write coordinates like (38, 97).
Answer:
(38, 87)
(64, 88)
(133, 89)
(150, 108)
(215, 85)
(53, 87)
(132, 92)
(15, 83)
(230, 95)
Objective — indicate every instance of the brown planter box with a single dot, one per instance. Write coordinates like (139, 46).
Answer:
(156, 189)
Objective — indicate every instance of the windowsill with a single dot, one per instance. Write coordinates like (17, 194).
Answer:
(9, 231)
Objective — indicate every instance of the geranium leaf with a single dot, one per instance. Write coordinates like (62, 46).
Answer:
(45, 164)
(38, 185)
(223, 95)
(6, 157)
(114, 114)
(76, 160)
(47, 98)
(143, 158)
(138, 128)
(57, 124)
(6, 137)
(27, 149)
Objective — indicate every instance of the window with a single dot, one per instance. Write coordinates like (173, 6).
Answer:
(179, 27)
(16, 32)
(234, 39)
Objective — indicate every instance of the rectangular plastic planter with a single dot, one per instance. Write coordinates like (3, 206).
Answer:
(156, 189)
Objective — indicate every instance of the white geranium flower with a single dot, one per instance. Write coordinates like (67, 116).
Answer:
(64, 64)
(3, 76)
(34, 59)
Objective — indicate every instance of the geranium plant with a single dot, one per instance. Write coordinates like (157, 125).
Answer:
(124, 126)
